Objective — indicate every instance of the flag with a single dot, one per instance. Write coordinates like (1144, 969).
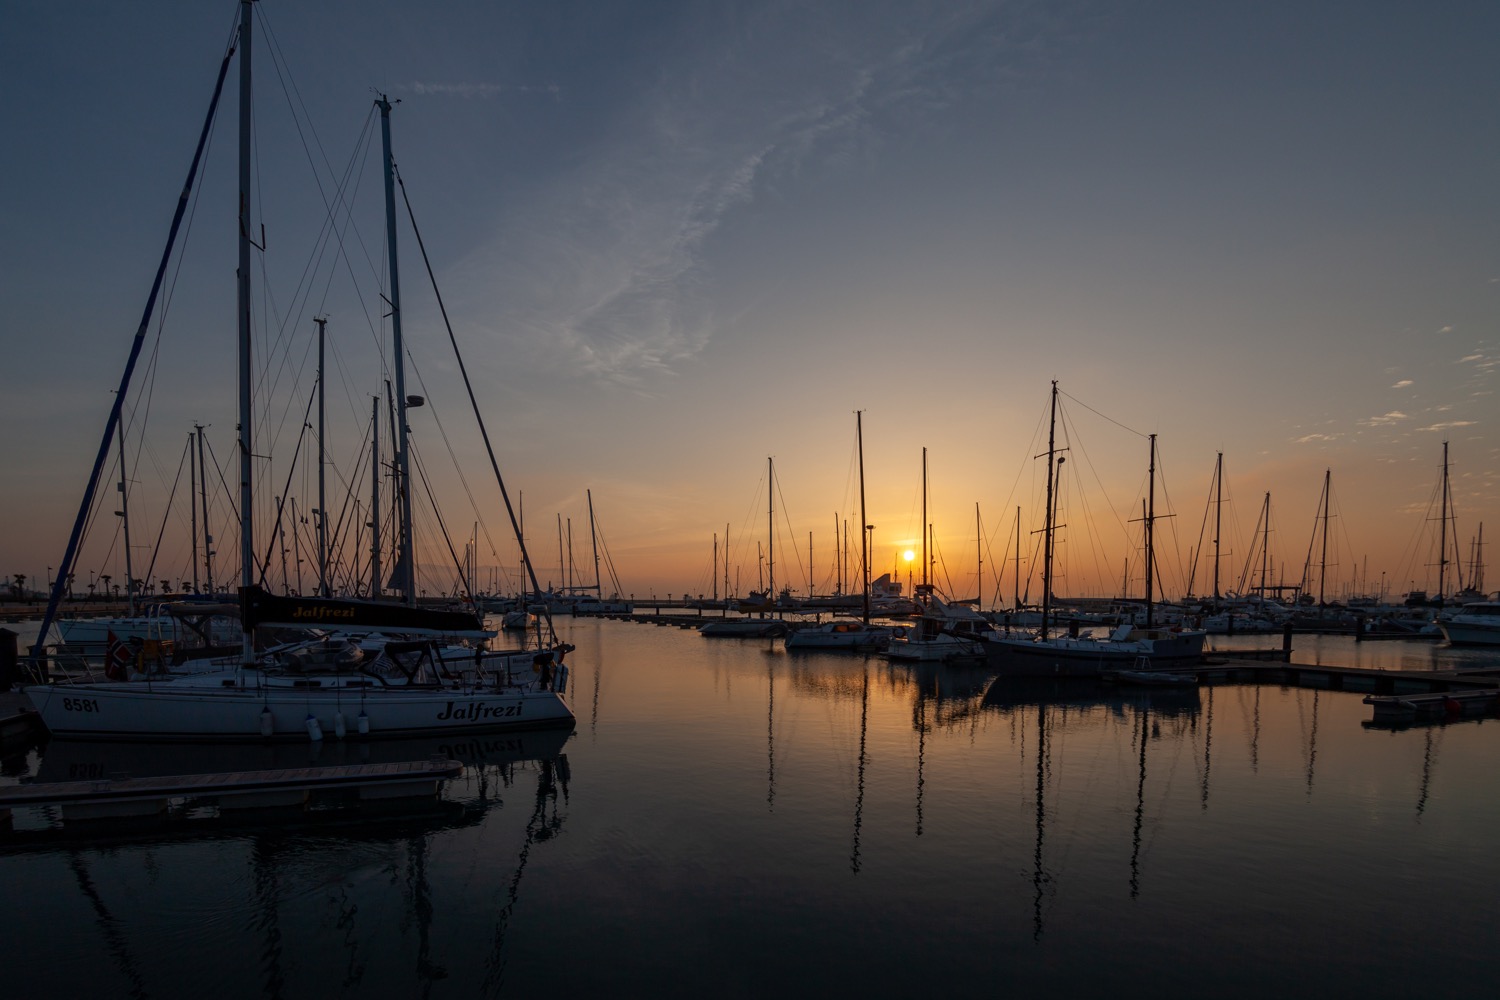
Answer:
(117, 658)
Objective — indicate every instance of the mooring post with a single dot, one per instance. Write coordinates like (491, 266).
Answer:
(1286, 642)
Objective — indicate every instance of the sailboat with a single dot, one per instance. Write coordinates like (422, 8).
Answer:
(1127, 648)
(410, 688)
(856, 635)
(759, 627)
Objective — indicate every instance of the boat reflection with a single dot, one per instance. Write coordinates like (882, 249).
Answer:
(1061, 704)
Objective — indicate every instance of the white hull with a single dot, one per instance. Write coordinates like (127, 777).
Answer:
(839, 635)
(939, 649)
(207, 707)
(1460, 633)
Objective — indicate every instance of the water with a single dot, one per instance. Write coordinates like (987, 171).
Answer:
(730, 820)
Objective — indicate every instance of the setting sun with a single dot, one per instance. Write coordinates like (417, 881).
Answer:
(908, 555)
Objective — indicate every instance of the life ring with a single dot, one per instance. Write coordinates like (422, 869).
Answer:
(900, 632)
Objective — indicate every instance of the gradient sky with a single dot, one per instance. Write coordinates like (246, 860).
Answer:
(678, 238)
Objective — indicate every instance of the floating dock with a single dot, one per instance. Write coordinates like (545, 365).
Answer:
(299, 788)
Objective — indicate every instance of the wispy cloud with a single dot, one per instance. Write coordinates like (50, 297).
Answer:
(1402, 384)
(476, 90)
(609, 268)
(1449, 425)
(1316, 438)
(1385, 419)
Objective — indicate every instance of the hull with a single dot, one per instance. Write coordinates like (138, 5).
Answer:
(938, 650)
(746, 628)
(1066, 656)
(186, 710)
(1471, 634)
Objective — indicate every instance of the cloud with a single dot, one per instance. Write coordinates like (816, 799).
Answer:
(1445, 329)
(1402, 384)
(607, 266)
(1449, 425)
(1385, 419)
(1314, 438)
(472, 90)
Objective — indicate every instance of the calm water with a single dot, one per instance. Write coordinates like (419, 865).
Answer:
(730, 820)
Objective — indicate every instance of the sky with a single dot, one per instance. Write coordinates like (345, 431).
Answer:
(677, 240)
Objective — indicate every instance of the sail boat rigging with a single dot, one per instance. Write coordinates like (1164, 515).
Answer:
(1127, 648)
(410, 689)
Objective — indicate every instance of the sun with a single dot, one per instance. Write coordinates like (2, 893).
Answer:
(908, 555)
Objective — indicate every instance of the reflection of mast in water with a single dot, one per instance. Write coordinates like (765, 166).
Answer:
(859, 794)
(921, 721)
(551, 776)
(263, 859)
(114, 941)
(1039, 877)
(421, 908)
(1312, 743)
(1140, 807)
(594, 707)
(1429, 755)
(1208, 745)
(1254, 728)
(770, 736)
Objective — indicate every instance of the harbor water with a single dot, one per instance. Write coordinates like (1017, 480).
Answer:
(729, 819)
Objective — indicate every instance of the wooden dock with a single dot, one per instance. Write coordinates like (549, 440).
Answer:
(291, 788)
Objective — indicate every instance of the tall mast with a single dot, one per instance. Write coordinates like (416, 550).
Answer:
(1150, 526)
(713, 574)
(193, 508)
(771, 527)
(208, 538)
(864, 526)
(726, 563)
(809, 565)
(322, 463)
(1443, 531)
(125, 519)
(1265, 548)
(1218, 519)
(594, 539)
(246, 415)
(404, 558)
(375, 498)
(1323, 568)
(1048, 526)
(1018, 559)
(979, 552)
(924, 520)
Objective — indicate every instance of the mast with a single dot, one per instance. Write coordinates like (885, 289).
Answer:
(193, 509)
(771, 527)
(979, 551)
(1323, 568)
(809, 566)
(1017, 604)
(322, 463)
(246, 415)
(208, 538)
(375, 498)
(713, 574)
(1048, 526)
(1150, 526)
(864, 526)
(924, 520)
(1265, 548)
(1443, 531)
(1218, 520)
(726, 563)
(404, 557)
(125, 519)
(594, 539)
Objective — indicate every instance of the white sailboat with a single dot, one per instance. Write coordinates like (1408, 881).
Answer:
(409, 689)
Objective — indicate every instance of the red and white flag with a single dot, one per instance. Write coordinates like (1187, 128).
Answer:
(117, 658)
